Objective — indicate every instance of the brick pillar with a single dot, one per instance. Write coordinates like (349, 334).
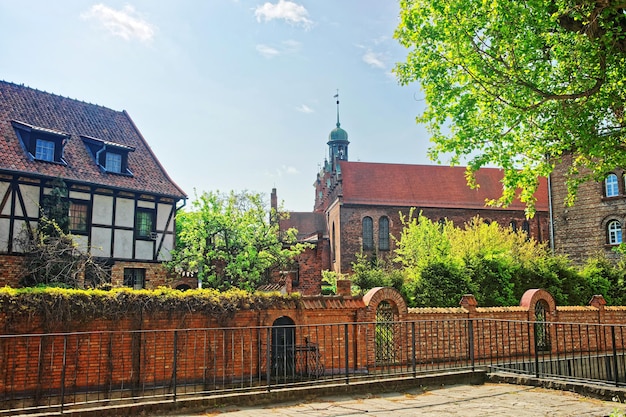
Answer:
(344, 287)
(598, 302)
(468, 302)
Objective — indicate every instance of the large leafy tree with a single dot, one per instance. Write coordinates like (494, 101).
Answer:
(518, 84)
(231, 240)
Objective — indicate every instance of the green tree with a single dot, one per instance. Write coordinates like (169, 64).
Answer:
(229, 240)
(518, 84)
(368, 273)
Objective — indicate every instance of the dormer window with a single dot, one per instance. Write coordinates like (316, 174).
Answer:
(44, 150)
(110, 156)
(41, 144)
(113, 162)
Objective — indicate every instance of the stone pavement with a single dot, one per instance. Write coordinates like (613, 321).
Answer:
(490, 399)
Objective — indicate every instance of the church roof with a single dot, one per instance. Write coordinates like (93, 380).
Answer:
(434, 186)
(338, 134)
(77, 123)
(307, 223)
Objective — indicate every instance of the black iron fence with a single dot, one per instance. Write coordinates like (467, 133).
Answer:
(64, 371)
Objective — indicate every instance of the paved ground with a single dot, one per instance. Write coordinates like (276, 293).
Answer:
(459, 400)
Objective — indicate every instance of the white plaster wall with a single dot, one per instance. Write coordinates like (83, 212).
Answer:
(81, 242)
(124, 213)
(80, 196)
(168, 244)
(101, 242)
(4, 186)
(144, 249)
(102, 210)
(4, 235)
(123, 244)
(163, 212)
(19, 227)
(30, 194)
(145, 204)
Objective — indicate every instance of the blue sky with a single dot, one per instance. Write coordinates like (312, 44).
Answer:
(230, 95)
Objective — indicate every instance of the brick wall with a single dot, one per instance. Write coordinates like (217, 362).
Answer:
(580, 229)
(12, 271)
(114, 357)
(351, 241)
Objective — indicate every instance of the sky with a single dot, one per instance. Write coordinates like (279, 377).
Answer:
(229, 94)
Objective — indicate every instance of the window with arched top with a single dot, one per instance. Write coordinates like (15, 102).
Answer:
(333, 244)
(611, 186)
(526, 227)
(368, 233)
(513, 225)
(614, 232)
(383, 233)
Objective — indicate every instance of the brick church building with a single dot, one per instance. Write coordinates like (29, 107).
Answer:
(358, 207)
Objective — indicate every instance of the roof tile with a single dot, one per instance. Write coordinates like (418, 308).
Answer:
(436, 186)
(76, 118)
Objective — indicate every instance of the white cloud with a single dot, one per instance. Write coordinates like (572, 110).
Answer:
(282, 171)
(286, 47)
(125, 23)
(289, 170)
(303, 108)
(267, 51)
(374, 60)
(289, 11)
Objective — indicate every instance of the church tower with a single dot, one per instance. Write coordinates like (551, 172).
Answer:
(338, 141)
(328, 183)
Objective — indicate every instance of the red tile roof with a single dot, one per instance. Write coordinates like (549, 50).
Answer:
(76, 118)
(435, 186)
(308, 224)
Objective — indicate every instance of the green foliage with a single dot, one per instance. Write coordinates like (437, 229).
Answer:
(517, 84)
(440, 285)
(54, 210)
(606, 280)
(442, 263)
(373, 272)
(57, 306)
(229, 241)
(329, 282)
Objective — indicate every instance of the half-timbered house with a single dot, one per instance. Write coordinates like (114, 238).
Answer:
(121, 203)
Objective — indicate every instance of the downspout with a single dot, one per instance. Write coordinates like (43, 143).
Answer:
(98, 156)
(551, 213)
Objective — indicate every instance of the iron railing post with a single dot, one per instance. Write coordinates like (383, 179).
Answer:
(175, 363)
(536, 350)
(346, 347)
(63, 370)
(470, 331)
(413, 353)
(614, 356)
(268, 358)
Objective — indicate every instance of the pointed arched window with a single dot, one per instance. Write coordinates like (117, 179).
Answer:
(383, 233)
(368, 233)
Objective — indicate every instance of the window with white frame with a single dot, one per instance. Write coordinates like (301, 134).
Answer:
(611, 187)
(44, 150)
(614, 229)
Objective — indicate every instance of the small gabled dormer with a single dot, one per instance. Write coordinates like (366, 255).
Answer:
(41, 144)
(111, 157)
